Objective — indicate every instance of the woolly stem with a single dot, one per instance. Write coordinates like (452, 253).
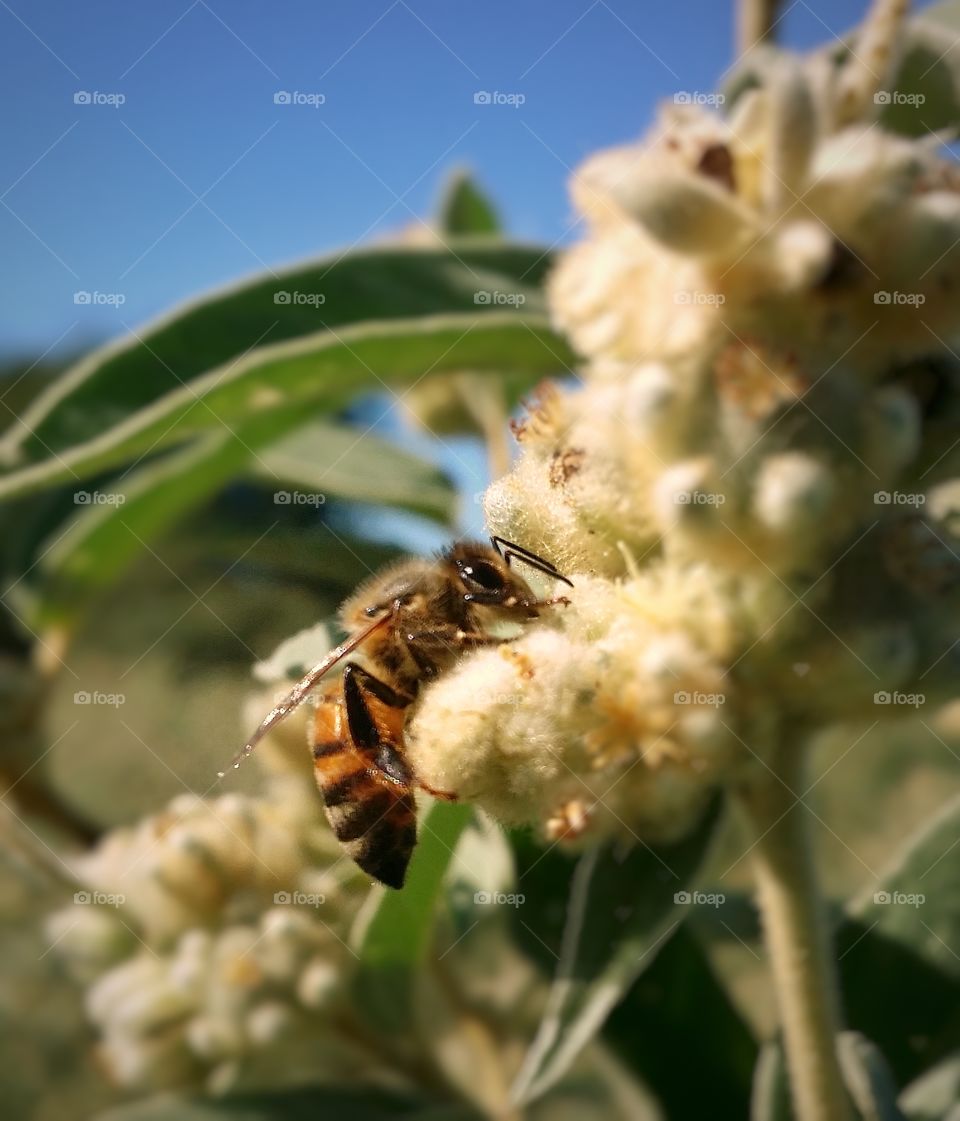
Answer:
(796, 935)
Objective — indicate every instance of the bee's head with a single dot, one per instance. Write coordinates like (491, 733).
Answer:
(485, 579)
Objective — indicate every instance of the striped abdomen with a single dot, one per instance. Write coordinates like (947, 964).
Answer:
(371, 813)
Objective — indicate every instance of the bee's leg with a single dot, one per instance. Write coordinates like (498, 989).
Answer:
(373, 811)
(379, 734)
(443, 795)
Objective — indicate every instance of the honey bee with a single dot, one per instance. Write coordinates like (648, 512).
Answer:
(405, 625)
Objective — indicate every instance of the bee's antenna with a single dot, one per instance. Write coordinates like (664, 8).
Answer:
(508, 550)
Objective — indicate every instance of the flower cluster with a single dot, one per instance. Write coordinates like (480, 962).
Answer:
(765, 303)
(212, 935)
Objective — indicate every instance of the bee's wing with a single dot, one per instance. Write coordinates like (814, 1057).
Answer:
(299, 693)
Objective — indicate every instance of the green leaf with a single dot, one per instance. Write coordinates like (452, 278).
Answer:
(867, 1078)
(392, 945)
(678, 1016)
(98, 544)
(623, 907)
(770, 1099)
(929, 1097)
(465, 209)
(916, 902)
(315, 1103)
(105, 537)
(370, 285)
(905, 929)
(341, 462)
(322, 370)
(929, 69)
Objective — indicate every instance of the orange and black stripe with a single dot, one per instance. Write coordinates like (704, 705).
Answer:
(372, 814)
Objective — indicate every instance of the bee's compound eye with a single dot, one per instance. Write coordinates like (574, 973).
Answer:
(481, 574)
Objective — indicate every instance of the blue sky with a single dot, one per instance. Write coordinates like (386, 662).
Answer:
(199, 177)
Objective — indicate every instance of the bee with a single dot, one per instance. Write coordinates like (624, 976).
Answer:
(406, 625)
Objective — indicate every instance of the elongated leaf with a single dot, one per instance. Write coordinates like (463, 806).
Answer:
(905, 928)
(105, 536)
(624, 904)
(334, 460)
(319, 370)
(770, 1099)
(867, 1078)
(916, 902)
(395, 940)
(930, 1097)
(359, 286)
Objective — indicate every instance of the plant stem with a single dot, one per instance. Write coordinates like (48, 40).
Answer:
(796, 935)
(755, 22)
